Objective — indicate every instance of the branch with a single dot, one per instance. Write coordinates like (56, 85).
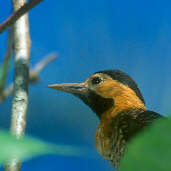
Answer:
(17, 14)
(21, 79)
(7, 92)
(5, 63)
(33, 75)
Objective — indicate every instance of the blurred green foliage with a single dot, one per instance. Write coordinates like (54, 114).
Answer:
(151, 150)
(25, 148)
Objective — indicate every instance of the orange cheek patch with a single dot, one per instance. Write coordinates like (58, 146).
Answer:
(109, 89)
(124, 97)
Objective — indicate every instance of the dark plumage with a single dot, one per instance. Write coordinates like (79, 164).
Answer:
(116, 99)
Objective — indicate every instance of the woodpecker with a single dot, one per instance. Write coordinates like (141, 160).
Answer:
(117, 101)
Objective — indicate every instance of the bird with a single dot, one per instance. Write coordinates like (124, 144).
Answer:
(120, 106)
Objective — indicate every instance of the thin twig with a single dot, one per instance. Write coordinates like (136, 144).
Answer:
(33, 76)
(17, 14)
(41, 65)
(6, 60)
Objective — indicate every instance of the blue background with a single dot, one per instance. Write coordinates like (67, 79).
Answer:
(133, 36)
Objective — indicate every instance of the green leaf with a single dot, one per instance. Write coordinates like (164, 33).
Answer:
(28, 147)
(151, 150)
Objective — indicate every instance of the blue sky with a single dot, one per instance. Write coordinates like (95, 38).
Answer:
(133, 36)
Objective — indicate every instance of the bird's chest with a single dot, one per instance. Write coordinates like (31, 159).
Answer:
(113, 133)
(104, 138)
(110, 141)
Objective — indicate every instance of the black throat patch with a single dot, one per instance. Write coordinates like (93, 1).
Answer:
(96, 102)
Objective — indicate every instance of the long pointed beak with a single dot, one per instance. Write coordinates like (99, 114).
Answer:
(74, 88)
(96, 102)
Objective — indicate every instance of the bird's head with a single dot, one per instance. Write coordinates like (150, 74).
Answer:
(106, 90)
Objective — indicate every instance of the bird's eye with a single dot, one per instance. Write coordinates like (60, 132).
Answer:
(96, 80)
